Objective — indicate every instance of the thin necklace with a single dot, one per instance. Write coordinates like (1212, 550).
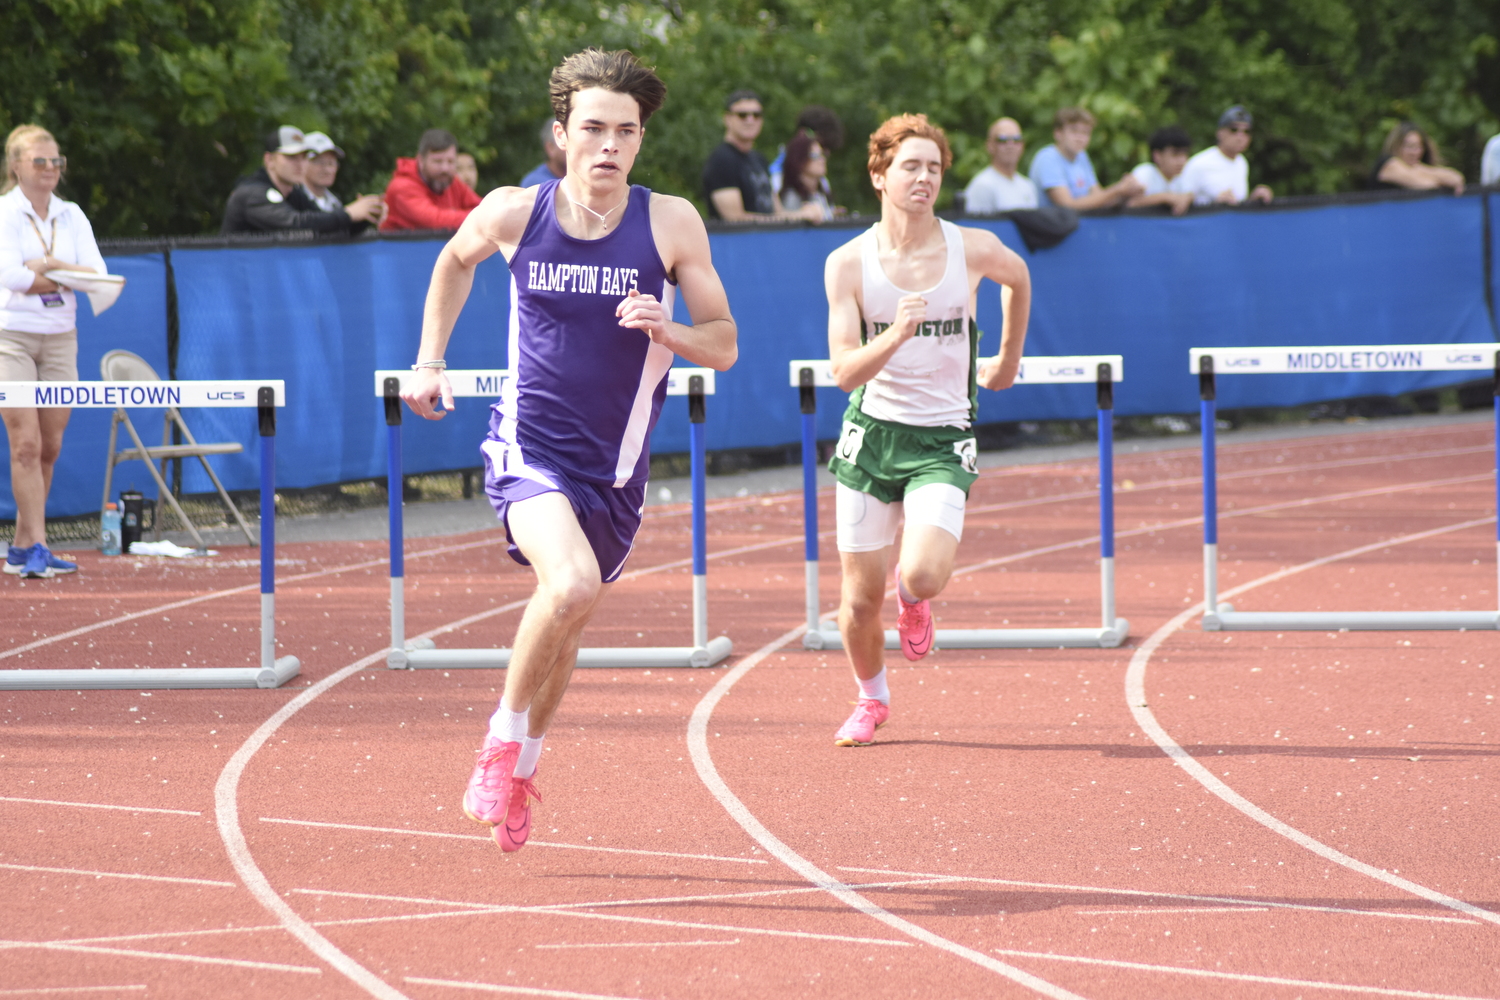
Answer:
(602, 217)
(905, 243)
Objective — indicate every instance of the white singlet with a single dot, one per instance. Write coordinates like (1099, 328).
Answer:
(929, 381)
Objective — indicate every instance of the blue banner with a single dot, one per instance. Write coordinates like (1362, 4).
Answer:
(323, 318)
(136, 322)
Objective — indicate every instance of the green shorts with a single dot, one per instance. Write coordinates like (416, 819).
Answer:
(885, 459)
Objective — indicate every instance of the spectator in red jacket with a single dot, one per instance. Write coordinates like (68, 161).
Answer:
(426, 193)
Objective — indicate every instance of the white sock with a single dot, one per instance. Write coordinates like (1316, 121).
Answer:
(875, 688)
(906, 595)
(531, 753)
(509, 726)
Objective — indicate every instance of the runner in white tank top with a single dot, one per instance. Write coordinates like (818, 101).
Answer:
(902, 340)
(927, 382)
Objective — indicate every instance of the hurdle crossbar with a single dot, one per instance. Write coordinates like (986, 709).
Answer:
(694, 383)
(265, 396)
(1102, 370)
(1210, 362)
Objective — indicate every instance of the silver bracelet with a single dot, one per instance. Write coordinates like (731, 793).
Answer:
(439, 364)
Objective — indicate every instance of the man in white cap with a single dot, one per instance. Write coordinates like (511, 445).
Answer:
(322, 170)
(272, 198)
(1220, 174)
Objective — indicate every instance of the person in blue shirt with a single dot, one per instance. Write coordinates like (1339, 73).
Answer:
(1063, 172)
(555, 165)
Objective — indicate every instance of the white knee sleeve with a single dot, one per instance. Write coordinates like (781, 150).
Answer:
(864, 523)
(938, 504)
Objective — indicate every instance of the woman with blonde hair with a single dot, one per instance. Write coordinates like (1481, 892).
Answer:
(1410, 159)
(39, 232)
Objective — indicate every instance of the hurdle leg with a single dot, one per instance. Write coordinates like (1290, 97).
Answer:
(1207, 419)
(273, 672)
(813, 638)
(700, 538)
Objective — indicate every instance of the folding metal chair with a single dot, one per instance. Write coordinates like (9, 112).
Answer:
(123, 366)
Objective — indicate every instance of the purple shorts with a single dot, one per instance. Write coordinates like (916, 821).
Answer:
(609, 516)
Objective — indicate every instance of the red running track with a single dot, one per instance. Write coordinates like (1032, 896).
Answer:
(1194, 814)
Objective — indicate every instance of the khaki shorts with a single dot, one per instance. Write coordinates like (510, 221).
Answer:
(38, 357)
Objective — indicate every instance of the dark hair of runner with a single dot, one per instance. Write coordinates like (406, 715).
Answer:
(618, 71)
(892, 132)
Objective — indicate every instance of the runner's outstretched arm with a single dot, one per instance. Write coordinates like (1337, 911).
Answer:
(1002, 265)
(682, 241)
(497, 224)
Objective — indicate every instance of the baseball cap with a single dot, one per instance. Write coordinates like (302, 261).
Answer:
(1236, 115)
(287, 139)
(318, 142)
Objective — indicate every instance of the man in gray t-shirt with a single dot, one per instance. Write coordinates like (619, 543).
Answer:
(1001, 187)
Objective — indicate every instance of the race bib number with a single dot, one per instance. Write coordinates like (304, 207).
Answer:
(968, 454)
(851, 439)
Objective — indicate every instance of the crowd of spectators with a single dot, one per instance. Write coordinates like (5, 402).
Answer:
(293, 189)
(436, 189)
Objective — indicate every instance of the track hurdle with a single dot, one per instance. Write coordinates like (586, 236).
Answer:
(1209, 362)
(1104, 370)
(694, 383)
(265, 396)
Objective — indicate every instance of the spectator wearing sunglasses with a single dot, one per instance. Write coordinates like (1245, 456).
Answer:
(1220, 174)
(39, 233)
(736, 179)
(1001, 187)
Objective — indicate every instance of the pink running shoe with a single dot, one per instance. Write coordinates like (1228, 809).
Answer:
(511, 835)
(859, 729)
(913, 624)
(489, 792)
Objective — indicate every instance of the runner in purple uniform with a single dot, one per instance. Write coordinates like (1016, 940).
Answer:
(595, 265)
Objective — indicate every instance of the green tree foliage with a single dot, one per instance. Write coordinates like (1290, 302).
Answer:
(159, 103)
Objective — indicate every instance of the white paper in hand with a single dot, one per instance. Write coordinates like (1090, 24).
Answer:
(102, 289)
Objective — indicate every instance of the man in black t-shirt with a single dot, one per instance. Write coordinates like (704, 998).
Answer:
(736, 180)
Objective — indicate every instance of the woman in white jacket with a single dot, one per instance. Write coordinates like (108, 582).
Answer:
(39, 232)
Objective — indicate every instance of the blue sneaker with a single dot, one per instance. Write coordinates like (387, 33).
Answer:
(15, 561)
(36, 567)
(57, 565)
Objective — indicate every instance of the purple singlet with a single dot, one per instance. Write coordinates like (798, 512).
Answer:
(586, 391)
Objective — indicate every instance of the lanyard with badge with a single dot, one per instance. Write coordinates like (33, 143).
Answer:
(51, 300)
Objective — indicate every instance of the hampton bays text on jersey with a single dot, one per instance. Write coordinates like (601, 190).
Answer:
(931, 328)
(584, 279)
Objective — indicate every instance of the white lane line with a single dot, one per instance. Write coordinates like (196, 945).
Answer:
(131, 875)
(716, 897)
(1105, 890)
(163, 955)
(1164, 484)
(1177, 909)
(227, 814)
(529, 843)
(1135, 697)
(636, 944)
(247, 588)
(697, 738)
(43, 990)
(530, 991)
(97, 805)
(1239, 976)
(1225, 515)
